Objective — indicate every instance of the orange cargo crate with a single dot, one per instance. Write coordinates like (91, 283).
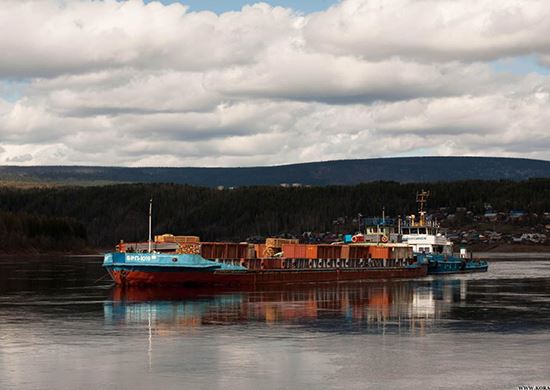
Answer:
(231, 251)
(251, 251)
(311, 252)
(223, 250)
(209, 250)
(345, 252)
(260, 250)
(242, 251)
(379, 252)
(295, 251)
(329, 251)
(359, 252)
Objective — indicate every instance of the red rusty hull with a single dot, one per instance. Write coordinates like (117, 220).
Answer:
(264, 277)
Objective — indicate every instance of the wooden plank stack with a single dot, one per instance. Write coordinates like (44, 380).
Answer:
(190, 248)
(178, 239)
(275, 245)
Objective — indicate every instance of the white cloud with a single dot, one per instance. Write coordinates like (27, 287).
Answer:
(124, 83)
(56, 37)
(20, 158)
(432, 30)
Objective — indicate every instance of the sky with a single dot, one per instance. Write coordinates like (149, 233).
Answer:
(220, 6)
(237, 83)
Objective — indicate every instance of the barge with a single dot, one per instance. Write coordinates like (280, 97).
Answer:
(415, 250)
(181, 261)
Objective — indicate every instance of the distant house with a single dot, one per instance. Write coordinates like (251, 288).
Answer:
(517, 214)
(490, 215)
(535, 238)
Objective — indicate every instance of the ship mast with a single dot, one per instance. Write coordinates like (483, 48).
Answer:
(422, 199)
(150, 222)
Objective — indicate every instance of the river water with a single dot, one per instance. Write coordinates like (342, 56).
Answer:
(63, 326)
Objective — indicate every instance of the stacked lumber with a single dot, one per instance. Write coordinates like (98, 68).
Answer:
(275, 245)
(165, 238)
(186, 239)
(189, 248)
(179, 239)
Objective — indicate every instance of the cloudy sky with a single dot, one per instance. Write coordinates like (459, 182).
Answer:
(237, 83)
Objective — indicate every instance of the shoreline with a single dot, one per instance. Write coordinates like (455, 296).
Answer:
(37, 253)
(506, 252)
(481, 255)
(515, 256)
(506, 248)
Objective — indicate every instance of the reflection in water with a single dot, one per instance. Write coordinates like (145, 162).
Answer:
(64, 327)
(365, 307)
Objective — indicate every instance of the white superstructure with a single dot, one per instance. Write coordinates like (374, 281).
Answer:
(424, 236)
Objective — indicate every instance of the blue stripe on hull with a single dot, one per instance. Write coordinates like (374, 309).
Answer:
(152, 268)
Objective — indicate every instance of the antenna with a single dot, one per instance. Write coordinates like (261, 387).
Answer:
(399, 224)
(150, 220)
(422, 199)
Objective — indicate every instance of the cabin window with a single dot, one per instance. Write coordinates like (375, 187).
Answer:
(422, 231)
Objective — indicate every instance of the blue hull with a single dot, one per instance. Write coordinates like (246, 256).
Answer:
(441, 264)
(191, 269)
(154, 262)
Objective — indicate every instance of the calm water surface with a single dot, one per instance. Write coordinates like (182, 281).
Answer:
(62, 328)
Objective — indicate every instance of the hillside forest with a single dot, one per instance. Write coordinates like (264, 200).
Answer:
(93, 218)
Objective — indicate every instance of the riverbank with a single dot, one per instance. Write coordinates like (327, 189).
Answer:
(510, 252)
(500, 252)
(88, 252)
(515, 256)
(508, 248)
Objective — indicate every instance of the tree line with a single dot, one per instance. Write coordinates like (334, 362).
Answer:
(98, 217)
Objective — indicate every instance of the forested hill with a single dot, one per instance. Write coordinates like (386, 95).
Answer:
(69, 218)
(342, 172)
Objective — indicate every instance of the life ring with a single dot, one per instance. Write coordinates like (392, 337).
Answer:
(358, 238)
(384, 239)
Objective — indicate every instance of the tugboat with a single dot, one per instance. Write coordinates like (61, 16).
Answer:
(430, 243)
